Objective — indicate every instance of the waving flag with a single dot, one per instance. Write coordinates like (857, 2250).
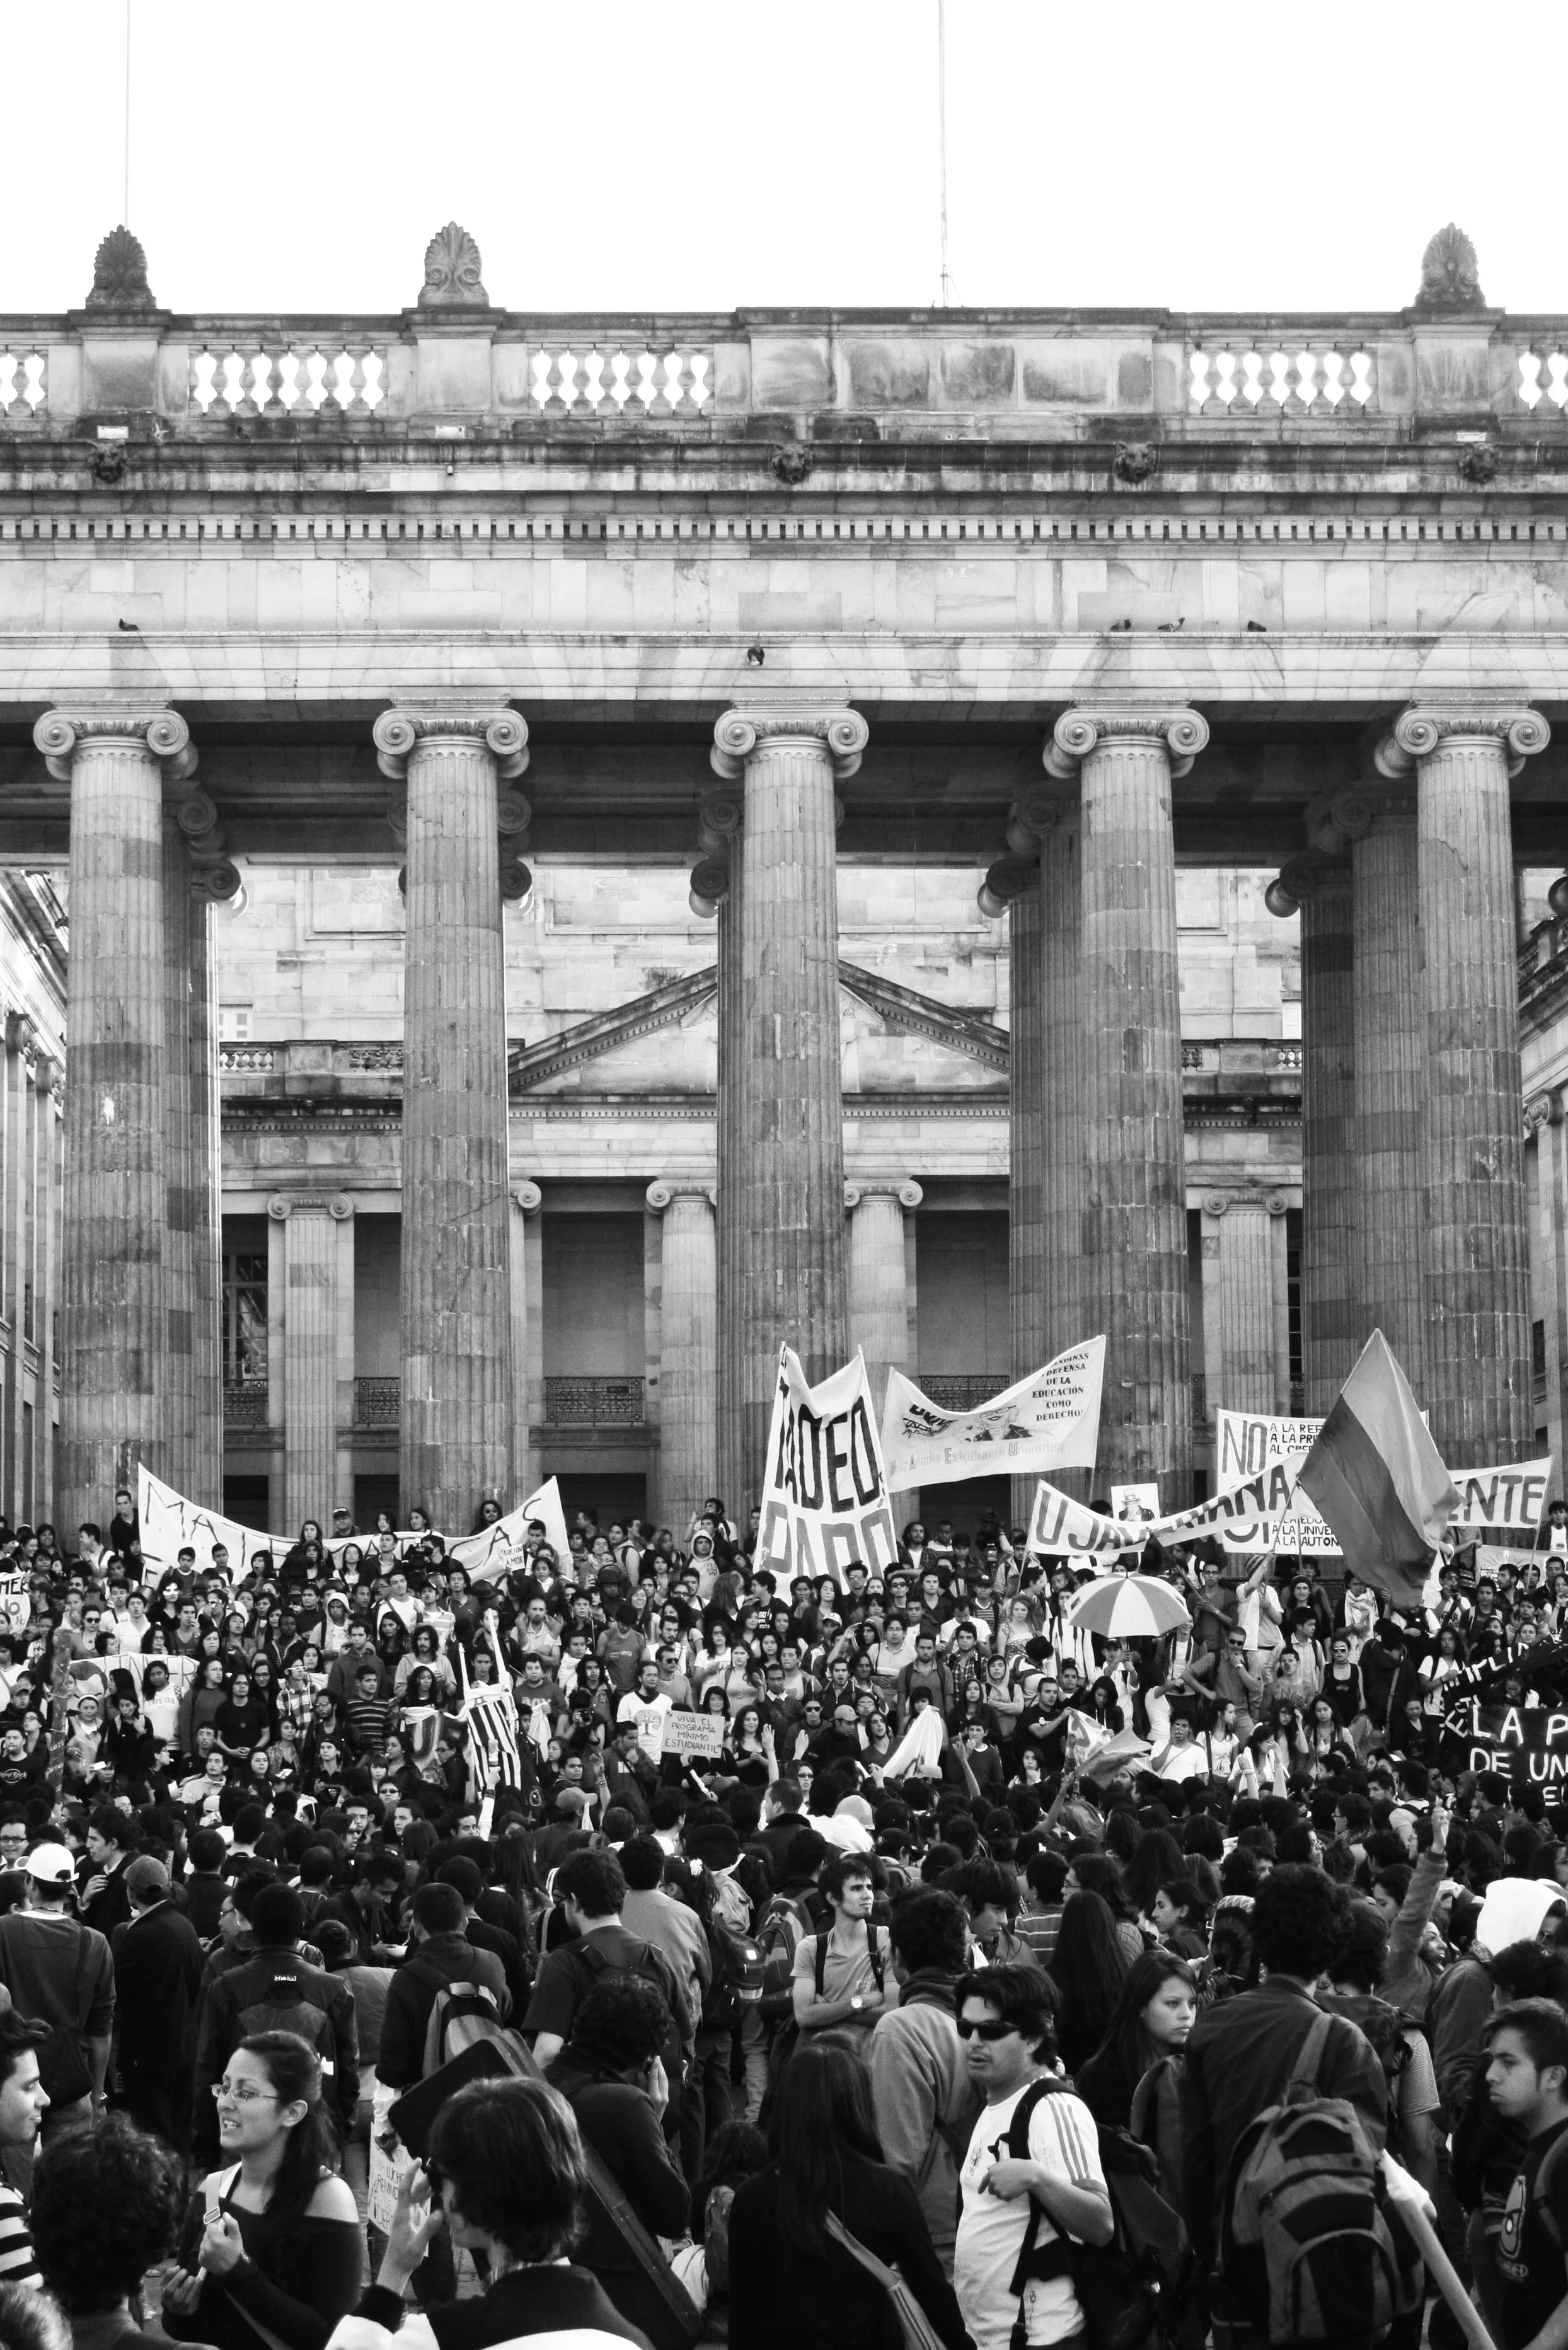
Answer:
(1377, 1478)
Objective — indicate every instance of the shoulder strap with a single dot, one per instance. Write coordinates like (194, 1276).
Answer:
(1540, 2193)
(1311, 2053)
(856, 2250)
(1146, 2098)
(84, 1947)
(820, 1963)
(1022, 2113)
(215, 2187)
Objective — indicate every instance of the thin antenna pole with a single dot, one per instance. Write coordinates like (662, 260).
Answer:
(125, 214)
(942, 137)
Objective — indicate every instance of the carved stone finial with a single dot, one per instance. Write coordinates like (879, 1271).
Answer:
(1450, 278)
(120, 274)
(451, 272)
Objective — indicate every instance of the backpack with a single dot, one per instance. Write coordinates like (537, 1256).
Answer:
(716, 2237)
(1132, 2290)
(286, 2007)
(587, 1952)
(460, 2013)
(736, 1981)
(1308, 2241)
(1388, 2032)
(778, 1939)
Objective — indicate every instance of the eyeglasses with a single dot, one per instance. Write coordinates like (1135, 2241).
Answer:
(984, 2031)
(243, 2096)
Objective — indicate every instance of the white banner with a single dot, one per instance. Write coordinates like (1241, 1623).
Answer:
(1503, 1497)
(1049, 1421)
(826, 1503)
(170, 1522)
(15, 1603)
(692, 1734)
(1059, 1523)
(1248, 1443)
(1264, 1513)
(499, 1548)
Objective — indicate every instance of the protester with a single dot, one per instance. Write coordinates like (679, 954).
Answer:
(159, 1978)
(794, 2284)
(22, 2105)
(107, 2206)
(506, 2165)
(921, 2091)
(60, 1973)
(272, 2239)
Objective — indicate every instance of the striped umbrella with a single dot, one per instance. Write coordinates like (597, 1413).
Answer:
(1128, 1607)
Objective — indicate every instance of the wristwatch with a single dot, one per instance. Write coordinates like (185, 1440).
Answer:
(857, 2003)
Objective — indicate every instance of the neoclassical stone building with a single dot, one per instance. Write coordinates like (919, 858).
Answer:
(935, 830)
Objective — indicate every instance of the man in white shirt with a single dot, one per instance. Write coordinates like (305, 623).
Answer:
(1005, 2023)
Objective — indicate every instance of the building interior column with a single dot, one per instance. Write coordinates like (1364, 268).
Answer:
(687, 1358)
(879, 1291)
(1390, 1056)
(1331, 1263)
(313, 1315)
(525, 1198)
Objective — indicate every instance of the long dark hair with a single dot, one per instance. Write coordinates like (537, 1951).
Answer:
(1145, 1979)
(822, 2107)
(294, 2071)
(1156, 1860)
(1088, 1967)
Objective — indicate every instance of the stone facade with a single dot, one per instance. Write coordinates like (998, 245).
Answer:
(917, 707)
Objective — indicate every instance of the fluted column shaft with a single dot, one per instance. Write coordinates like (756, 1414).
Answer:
(312, 1254)
(114, 1296)
(1243, 1259)
(878, 1287)
(457, 1429)
(1390, 1057)
(687, 1367)
(181, 1166)
(737, 1476)
(1330, 1314)
(1133, 1222)
(785, 1211)
(1477, 1263)
(206, 1208)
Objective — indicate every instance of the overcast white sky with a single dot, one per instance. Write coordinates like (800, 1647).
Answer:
(710, 154)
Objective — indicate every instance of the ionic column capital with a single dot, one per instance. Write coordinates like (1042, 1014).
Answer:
(398, 731)
(282, 1205)
(1424, 727)
(1306, 880)
(662, 1195)
(1541, 1110)
(1183, 733)
(528, 1197)
(907, 1191)
(742, 732)
(162, 735)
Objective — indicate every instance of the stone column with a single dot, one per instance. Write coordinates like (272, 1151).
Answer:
(205, 1161)
(1331, 1312)
(1390, 1057)
(526, 1198)
(48, 1078)
(16, 1114)
(114, 1375)
(183, 1167)
(687, 1367)
(1477, 1261)
(782, 1211)
(1242, 1258)
(457, 1412)
(879, 1287)
(1134, 1224)
(312, 1311)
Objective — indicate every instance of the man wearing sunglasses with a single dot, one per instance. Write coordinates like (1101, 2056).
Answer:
(1010, 2048)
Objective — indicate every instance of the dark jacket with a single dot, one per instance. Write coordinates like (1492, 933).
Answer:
(559, 2301)
(158, 1978)
(621, 2127)
(219, 2032)
(781, 2298)
(440, 1960)
(1239, 2060)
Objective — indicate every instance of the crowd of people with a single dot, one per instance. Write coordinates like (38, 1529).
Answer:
(966, 1972)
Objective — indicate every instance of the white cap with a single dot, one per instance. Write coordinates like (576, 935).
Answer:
(51, 1864)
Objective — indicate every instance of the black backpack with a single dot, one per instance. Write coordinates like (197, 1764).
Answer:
(1133, 2290)
(284, 2006)
(735, 1957)
(589, 1954)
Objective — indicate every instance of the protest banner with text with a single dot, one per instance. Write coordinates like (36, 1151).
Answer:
(1503, 1497)
(1049, 1421)
(1529, 1741)
(825, 1505)
(170, 1522)
(496, 1550)
(1246, 1443)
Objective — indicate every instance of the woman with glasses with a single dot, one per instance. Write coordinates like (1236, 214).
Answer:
(272, 2248)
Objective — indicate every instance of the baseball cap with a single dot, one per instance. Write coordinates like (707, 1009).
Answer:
(52, 1864)
(146, 1875)
(571, 1799)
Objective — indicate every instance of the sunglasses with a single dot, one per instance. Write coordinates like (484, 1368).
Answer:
(985, 2030)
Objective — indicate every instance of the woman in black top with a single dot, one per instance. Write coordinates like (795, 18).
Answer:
(792, 2286)
(272, 2239)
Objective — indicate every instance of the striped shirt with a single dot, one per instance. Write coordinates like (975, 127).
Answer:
(17, 2266)
(1038, 1924)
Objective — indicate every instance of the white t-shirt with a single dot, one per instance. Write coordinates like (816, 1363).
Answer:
(1061, 2138)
